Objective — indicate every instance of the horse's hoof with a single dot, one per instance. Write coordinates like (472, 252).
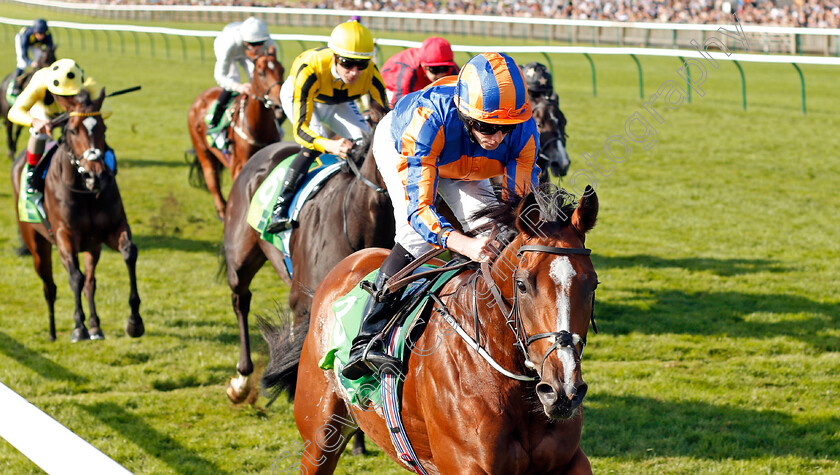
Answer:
(135, 329)
(79, 334)
(238, 389)
(96, 334)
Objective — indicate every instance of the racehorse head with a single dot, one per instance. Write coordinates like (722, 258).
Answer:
(267, 79)
(45, 57)
(84, 137)
(551, 124)
(547, 277)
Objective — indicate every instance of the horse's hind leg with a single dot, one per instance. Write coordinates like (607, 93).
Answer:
(210, 166)
(11, 139)
(244, 259)
(91, 259)
(41, 251)
(324, 424)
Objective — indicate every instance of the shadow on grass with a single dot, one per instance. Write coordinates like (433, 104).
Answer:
(150, 163)
(173, 243)
(37, 363)
(715, 313)
(721, 267)
(638, 428)
(179, 458)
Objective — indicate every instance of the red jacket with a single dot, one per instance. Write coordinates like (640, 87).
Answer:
(403, 73)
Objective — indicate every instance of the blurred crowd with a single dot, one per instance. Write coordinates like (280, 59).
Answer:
(800, 13)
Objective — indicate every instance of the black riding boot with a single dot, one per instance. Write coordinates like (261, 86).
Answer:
(16, 89)
(376, 316)
(280, 220)
(34, 182)
(221, 105)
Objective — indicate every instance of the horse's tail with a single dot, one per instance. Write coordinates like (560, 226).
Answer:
(221, 272)
(285, 342)
(196, 179)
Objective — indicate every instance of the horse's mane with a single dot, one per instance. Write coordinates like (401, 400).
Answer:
(555, 206)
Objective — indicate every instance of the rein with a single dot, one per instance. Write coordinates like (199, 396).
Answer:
(357, 172)
(513, 318)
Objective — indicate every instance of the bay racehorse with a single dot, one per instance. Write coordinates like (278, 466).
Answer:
(533, 308)
(84, 210)
(44, 59)
(551, 123)
(252, 125)
(351, 212)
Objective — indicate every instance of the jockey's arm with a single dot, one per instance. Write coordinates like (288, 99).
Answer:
(19, 112)
(225, 50)
(522, 172)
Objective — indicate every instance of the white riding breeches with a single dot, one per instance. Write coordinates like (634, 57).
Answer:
(343, 119)
(463, 197)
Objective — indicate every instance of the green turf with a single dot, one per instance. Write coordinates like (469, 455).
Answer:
(717, 252)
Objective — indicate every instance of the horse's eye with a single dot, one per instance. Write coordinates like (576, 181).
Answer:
(521, 286)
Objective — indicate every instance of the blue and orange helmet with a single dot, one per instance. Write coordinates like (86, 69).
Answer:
(491, 88)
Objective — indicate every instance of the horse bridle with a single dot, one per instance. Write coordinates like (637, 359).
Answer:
(357, 173)
(91, 154)
(513, 317)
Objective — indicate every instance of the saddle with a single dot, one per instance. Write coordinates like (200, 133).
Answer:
(217, 136)
(401, 335)
(262, 203)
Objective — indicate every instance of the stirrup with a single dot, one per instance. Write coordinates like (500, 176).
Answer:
(379, 362)
(280, 225)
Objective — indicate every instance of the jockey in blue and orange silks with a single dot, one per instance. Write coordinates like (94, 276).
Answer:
(446, 139)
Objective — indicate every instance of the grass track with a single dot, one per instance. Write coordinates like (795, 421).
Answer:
(717, 250)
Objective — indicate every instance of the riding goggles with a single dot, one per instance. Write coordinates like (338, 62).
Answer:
(350, 63)
(255, 44)
(486, 128)
(438, 69)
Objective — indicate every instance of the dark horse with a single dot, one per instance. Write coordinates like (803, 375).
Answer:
(551, 122)
(252, 126)
(462, 415)
(84, 210)
(13, 130)
(351, 212)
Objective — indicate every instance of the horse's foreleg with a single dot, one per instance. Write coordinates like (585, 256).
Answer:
(77, 282)
(579, 464)
(134, 327)
(91, 259)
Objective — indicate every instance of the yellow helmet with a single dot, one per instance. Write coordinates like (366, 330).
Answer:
(65, 78)
(351, 39)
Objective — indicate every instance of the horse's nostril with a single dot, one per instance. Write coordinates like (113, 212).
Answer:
(546, 393)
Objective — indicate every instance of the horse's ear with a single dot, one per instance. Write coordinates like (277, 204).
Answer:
(528, 215)
(584, 217)
(98, 101)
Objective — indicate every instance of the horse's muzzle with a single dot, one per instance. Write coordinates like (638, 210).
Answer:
(556, 403)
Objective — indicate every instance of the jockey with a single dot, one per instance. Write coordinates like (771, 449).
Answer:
(539, 81)
(450, 138)
(321, 93)
(50, 92)
(33, 37)
(239, 43)
(415, 68)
